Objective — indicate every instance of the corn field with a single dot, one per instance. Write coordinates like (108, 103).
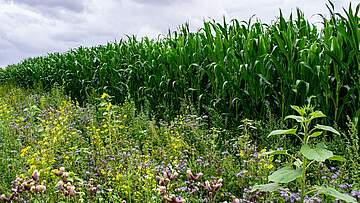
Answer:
(237, 69)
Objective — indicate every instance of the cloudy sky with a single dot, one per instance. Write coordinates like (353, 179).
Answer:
(36, 27)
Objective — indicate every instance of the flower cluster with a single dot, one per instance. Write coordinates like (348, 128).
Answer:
(164, 183)
(22, 185)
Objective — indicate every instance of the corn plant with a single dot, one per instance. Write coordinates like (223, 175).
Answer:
(233, 68)
(309, 153)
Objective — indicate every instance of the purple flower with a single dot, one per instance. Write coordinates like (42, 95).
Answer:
(356, 193)
(294, 197)
(334, 176)
(184, 189)
(284, 194)
(345, 186)
(316, 199)
(240, 174)
(255, 154)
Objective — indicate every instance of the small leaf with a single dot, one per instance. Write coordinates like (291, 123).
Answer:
(318, 154)
(298, 163)
(301, 111)
(283, 132)
(285, 175)
(327, 128)
(40, 130)
(275, 152)
(270, 187)
(316, 134)
(317, 114)
(337, 158)
(298, 119)
(332, 192)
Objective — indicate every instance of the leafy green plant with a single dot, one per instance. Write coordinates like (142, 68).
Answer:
(234, 68)
(353, 149)
(309, 153)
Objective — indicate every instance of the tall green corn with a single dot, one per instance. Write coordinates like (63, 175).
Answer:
(234, 68)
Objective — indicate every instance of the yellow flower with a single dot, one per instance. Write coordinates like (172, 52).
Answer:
(24, 151)
(104, 95)
(108, 106)
(242, 153)
(269, 166)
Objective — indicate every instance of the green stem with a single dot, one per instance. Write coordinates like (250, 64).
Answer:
(304, 165)
(303, 183)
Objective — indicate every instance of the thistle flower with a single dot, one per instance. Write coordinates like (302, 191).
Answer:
(35, 175)
(170, 175)
(213, 186)
(162, 190)
(40, 188)
(60, 185)
(65, 176)
(4, 198)
(70, 190)
(178, 200)
(236, 200)
(174, 199)
(191, 176)
(162, 181)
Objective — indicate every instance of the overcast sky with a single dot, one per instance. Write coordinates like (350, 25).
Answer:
(36, 27)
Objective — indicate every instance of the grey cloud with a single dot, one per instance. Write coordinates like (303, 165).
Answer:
(35, 27)
(72, 5)
(161, 2)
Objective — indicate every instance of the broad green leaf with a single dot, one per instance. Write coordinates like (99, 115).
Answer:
(327, 128)
(316, 134)
(283, 132)
(321, 145)
(298, 119)
(270, 187)
(317, 114)
(317, 153)
(333, 192)
(285, 175)
(337, 158)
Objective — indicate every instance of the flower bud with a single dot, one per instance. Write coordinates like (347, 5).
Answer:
(60, 185)
(35, 175)
(40, 188)
(236, 200)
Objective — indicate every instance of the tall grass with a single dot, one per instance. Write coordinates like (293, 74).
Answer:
(235, 68)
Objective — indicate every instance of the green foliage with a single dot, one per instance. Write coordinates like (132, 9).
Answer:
(300, 161)
(136, 134)
(353, 149)
(56, 150)
(336, 194)
(233, 68)
(285, 175)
